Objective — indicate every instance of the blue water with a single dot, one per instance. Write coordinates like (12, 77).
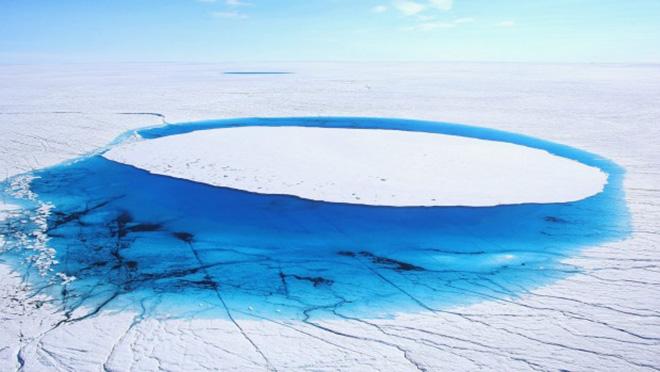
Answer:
(180, 248)
(257, 73)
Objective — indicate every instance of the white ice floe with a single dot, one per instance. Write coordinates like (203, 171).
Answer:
(5, 209)
(366, 166)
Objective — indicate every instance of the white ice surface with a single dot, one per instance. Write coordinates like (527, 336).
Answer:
(5, 209)
(371, 167)
(605, 317)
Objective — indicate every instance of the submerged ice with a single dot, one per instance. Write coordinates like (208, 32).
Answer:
(104, 235)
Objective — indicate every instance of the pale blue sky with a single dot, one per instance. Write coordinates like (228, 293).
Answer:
(347, 30)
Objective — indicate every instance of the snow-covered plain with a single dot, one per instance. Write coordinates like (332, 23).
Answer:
(605, 317)
(371, 167)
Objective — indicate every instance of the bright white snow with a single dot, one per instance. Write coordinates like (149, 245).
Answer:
(363, 166)
(603, 316)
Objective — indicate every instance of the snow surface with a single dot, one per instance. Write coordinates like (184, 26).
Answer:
(605, 316)
(371, 167)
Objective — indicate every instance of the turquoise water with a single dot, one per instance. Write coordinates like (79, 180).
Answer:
(179, 248)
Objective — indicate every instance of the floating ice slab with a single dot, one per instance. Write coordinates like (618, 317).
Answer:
(366, 166)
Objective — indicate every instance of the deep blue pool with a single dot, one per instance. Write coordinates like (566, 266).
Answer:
(179, 248)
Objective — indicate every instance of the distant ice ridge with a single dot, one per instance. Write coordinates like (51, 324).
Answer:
(366, 166)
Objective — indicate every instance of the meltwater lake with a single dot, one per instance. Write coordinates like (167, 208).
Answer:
(98, 235)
